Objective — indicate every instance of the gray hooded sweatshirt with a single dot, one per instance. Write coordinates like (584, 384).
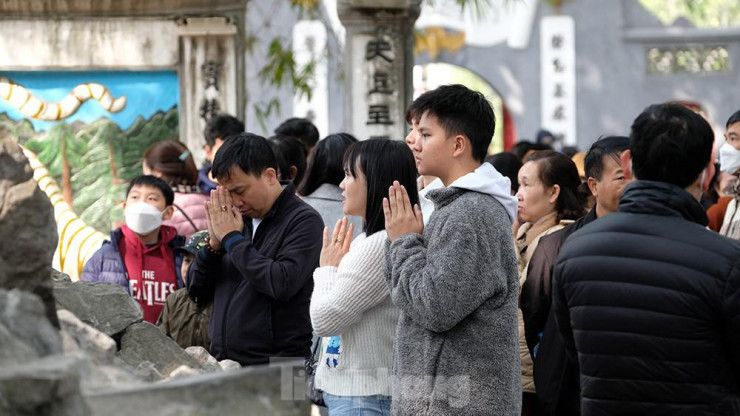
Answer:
(457, 350)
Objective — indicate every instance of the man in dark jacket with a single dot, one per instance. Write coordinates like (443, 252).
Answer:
(264, 246)
(647, 298)
(555, 376)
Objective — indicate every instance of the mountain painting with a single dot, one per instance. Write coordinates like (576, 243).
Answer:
(90, 130)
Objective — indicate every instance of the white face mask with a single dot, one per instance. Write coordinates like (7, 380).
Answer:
(729, 158)
(142, 218)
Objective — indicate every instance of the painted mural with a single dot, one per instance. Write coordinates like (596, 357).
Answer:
(85, 133)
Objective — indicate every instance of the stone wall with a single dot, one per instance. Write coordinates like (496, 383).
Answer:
(243, 392)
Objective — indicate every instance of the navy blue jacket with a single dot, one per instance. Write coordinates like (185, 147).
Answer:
(648, 302)
(261, 288)
(106, 265)
(205, 184)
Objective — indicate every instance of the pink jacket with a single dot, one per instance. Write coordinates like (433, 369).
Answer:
(194, 206)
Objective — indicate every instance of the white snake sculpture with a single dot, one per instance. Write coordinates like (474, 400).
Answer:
(77, 240)
(33, 107)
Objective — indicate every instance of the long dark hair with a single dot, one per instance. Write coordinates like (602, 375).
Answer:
(289, 152)
(174, 161)
(327, 163)
(381, 161)
(557, 169)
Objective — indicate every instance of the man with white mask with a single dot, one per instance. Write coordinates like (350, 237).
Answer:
(140, 255)
(722, 215)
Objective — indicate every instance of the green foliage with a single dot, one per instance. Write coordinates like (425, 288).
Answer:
(280, 71)
(264, 110)
(307, 9)
(480, 8)
(557, 4)
(701, 13)
(48, 147)
(95, 193)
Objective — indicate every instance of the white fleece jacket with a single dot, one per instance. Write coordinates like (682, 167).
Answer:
(351, 308)
(487, 180)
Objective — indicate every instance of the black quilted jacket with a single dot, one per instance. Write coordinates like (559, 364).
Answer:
(649, 300)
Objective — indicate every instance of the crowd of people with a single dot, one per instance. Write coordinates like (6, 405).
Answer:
(432, 278)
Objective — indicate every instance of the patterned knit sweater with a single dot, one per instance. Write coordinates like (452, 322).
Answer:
(352, 310)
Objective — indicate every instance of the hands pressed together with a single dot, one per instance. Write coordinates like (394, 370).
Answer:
(334, 249)
(400, 217)
(223, 217)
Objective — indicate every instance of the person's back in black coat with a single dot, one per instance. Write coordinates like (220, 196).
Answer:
(649, 300)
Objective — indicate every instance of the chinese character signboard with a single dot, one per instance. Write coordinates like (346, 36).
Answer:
(375, 92)
(379, 59)
(558, 77)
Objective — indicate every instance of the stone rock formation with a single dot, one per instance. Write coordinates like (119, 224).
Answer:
(204, 359)
(25, 333)
(89, 353)
(229, 365)
(46, 387)
(277, 389)
(144, 342)
(106, 307)
(86, 339)
(27, 227)
(57, 276)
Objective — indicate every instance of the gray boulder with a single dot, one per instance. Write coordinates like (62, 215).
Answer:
(48, 386)
(277, 389)
(27, 227)
(229, 365)
(144, 342)
(105, 377)
(182, 371)
(95, 376)
(104, 306)
(25, 332)
(57, 276)
(204, 358)
(98, 345)
(145, 370)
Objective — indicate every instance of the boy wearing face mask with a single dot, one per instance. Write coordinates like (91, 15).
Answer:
(140, 255)
(729, 159)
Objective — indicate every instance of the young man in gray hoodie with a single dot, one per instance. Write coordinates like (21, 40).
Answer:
(455, 279)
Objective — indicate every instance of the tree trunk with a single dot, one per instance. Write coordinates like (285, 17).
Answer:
(66, 182)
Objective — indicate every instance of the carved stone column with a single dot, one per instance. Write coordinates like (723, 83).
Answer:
(379, 60)
(208, 76)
